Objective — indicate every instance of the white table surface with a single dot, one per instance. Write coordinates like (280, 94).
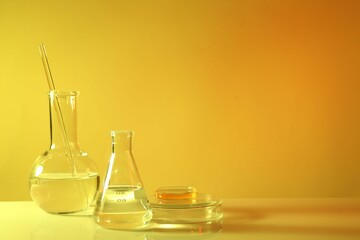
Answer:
(244, 219)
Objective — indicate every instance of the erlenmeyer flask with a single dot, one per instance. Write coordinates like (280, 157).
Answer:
(122, 203)
(63, 179)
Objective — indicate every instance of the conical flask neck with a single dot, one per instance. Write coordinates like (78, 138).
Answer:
(121, 141)
(122, 167)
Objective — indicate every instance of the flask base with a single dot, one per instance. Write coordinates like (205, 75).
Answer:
(122, 221)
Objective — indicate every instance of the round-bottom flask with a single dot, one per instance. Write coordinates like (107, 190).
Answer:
(122, 203)
(63, 179)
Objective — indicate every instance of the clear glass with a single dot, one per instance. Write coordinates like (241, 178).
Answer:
(63, 179)
(122, 203)
(182, 208)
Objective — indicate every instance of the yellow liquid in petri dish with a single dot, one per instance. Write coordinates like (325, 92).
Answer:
(176, 192)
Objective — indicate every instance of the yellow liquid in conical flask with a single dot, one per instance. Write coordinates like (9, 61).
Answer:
(123, 207)
(63, 192)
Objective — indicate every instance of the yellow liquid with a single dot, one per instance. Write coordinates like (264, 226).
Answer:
(64, 193)
(123, 207)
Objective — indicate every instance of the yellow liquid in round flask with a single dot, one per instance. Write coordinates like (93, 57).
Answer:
(63, 179)
(122, 203)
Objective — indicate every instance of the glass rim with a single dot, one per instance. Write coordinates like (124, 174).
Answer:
(61, 93)
(122, 132)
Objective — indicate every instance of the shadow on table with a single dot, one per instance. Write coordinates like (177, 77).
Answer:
(253, 219)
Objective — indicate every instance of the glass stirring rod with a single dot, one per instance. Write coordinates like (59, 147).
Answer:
(51, 84)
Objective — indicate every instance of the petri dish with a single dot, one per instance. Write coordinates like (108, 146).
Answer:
(175, 193)
(182, 208)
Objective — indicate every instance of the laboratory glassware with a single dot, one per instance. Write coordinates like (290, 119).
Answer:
(184, 209)
(122, 203)
(64, 179)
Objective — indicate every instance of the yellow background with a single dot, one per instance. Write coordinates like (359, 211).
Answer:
(237, 98)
